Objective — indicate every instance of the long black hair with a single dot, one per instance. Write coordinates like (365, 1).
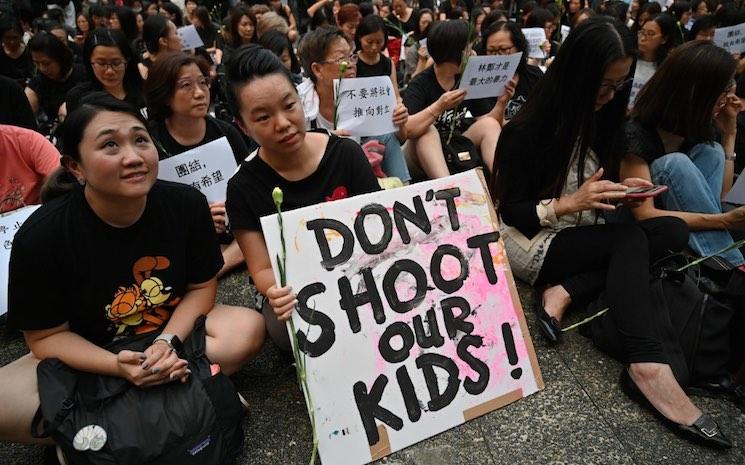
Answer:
(70, 134)
(113, 38)
(561, 109)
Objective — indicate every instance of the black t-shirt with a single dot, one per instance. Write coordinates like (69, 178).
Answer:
(424, 90)
(343, 172)
(136, 99)
(645, 142)
(52, 93)
(529, 77)
(447, 8)
(19, 69)
(382, 68)
(67, 265)
(15, 109)
(168, 146)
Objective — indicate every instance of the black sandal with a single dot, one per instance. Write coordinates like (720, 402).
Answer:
(550, 326)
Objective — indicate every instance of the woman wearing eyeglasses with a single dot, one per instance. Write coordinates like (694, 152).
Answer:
(656, 38)
(670, 141)
(111, 68)
(550, 191)
(178, 98)
(506, 38)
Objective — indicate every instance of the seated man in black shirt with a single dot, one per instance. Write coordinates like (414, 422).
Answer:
(433, 101)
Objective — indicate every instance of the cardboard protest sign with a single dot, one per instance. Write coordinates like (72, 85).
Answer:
(9, 224)
(366, 105)
(189, 37)
(731, 38)
(407, 313)
(737, 194)
(486, 76)
(207, 168)
(535, 36)
(643, 73)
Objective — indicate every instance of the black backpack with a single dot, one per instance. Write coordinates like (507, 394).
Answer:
(197, 422)
(697, 329)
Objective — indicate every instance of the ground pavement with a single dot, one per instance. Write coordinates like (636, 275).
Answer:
(581, 417)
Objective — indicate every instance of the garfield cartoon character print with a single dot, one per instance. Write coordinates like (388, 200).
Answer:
(145, 305)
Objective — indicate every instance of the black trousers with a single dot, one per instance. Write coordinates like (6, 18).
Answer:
(616, 258)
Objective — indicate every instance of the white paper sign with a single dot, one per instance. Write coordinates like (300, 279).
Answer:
(565, 30)
(535, 36)
(207, 168)
(643, 73)
(366, 105)
(731, 38)
(189, 37)
(737, 194)
(408, 313)
(9, 224)
(486, 75)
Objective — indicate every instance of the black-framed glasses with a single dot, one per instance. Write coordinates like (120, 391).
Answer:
(617, 87)
(114, 65)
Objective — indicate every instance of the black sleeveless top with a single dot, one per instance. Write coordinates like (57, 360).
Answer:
(382, 68)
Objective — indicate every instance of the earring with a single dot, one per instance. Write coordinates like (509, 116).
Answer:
(81, 182)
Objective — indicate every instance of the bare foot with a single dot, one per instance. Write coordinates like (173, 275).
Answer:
(658, 384)
(556, 300)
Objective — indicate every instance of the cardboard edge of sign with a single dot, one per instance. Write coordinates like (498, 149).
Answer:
(383, 447)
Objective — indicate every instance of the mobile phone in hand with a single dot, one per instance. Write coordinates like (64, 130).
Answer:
(645, 192)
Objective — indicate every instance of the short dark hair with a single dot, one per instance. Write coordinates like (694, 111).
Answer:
(249, 62)
(160, 84)
(493, 17)
(55, 49)
(276, 42)
(678, 8)
(70, 134)
(539, 17)
(700, 25)
(173, 9)
(517, 36)
(681, 95)
(314, 46)
(154, 28)
(447, 40)
(370, 25)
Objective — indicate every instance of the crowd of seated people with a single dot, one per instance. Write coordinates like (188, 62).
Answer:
(94, 94)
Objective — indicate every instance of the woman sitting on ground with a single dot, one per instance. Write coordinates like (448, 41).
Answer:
(111, 67)
(322, 51)
(178, 98)
(671, 141)
(108, 223)
(433, 100)
(310, 168)
(550, 194)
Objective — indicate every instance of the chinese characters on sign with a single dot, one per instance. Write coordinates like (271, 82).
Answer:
(731, 38)
(366, 105)
(10, 223)
(486, 76)
(535, 36)
(206, 168)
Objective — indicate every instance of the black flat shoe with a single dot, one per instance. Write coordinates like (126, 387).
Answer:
(704, 431)
(550, 326)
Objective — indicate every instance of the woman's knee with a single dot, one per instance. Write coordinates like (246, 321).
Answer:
(238, 331)
(672, 165)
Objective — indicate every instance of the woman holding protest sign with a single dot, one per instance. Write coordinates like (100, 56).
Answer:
(146, 254)
(506, 38)
(438, 108)
(550, 193)
(323, 53)
(178, 98)
(309, 168)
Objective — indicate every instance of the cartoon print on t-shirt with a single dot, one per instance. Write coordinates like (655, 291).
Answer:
(144, 306)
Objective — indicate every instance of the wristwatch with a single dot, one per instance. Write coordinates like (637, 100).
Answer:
(731, 157)
(172, 340)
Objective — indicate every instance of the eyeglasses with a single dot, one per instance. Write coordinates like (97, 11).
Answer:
(500, 51)
(351, 59)
(608, 88)
(114, 65)
(646, 34)
(189, 85)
